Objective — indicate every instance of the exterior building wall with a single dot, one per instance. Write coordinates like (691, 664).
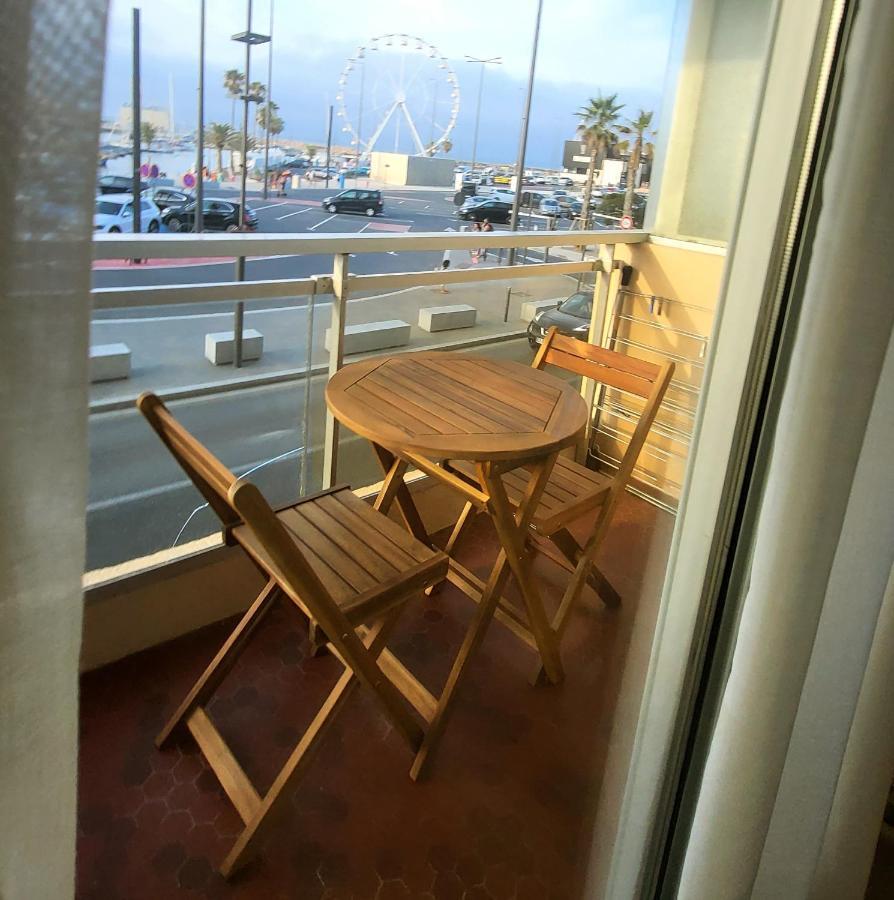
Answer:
(719, 52)
(154, 115)
(402, 169)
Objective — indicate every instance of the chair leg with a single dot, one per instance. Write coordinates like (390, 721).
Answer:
(223, 661)
(247, 844)
(458, 528)
(571, 550)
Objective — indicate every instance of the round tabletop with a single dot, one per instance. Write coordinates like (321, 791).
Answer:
(447, 405)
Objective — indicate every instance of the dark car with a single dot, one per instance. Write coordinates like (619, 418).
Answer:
(117, 184)
(493, 210)
(169, 198)
(354, 200)
(361, 172)
(571, 317)
(217, 215)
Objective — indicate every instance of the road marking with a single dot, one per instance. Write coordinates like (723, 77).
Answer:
(271, 206)
(404, 199)
(296, 213)
(315, 227)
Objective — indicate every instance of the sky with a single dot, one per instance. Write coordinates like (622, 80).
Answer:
(586, 46)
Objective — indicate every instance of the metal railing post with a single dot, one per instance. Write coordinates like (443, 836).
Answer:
(308, 367)
(336, 358)
(238, 317)
(603, 299)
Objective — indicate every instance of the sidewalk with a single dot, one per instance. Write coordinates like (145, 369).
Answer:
(168, 351)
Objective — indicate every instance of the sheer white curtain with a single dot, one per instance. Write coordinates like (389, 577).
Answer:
(796, 777)
(51, 64)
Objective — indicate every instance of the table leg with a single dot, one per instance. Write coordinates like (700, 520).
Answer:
(512, 531)
(393, 488)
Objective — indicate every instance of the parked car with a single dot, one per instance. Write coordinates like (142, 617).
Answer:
(550, 207)
(217, 215)
(571, 317)
(357, 201)
(471, 178)
(113, 214)
(117, 184)
(359, 172)
(493, 210)
(168, 198)
(319, 174)
(572, 208)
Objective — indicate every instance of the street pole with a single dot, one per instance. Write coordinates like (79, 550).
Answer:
(477, 117)
(269, 104)
(523, 139)
(135, 109)
(328, 144)
(200, 132)
(361, 57)
(495, 61)
(240, 261)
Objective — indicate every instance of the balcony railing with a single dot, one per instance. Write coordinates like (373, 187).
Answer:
(585, 254)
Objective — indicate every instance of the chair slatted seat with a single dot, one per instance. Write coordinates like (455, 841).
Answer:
(346, 567)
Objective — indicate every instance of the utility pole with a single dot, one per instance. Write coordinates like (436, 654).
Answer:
(328, 144)
(523, 138)
(269, 105)
(200, 132)
(492, 61)
(249, 38)
(136, 114)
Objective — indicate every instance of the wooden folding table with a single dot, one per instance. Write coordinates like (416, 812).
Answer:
(425, 409)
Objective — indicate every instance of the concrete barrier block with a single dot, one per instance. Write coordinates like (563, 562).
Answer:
(445, 318)
(219, 346)
(372, 336)
(109, 362)
(530, 308)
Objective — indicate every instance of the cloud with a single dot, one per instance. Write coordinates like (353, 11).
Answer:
(585, 46)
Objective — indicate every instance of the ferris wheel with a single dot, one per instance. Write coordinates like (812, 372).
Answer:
(398, 93)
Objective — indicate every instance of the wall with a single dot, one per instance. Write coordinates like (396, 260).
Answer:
(717, 59)
(49, 99)
(399, 168)
(670, 301)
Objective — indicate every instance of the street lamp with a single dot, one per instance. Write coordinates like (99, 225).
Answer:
(250, 39)
(523, 137)
(492, 61)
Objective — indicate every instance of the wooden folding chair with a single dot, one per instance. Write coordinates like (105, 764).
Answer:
(574, 490)
(347, 568)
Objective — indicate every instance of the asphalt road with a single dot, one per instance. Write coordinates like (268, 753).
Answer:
(141, 502)
(300, 213)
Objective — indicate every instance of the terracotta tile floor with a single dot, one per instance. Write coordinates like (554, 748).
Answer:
(506, 812)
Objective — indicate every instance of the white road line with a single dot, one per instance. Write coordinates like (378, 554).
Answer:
(296, 213)
(361, 230)
(315, 227)
(271, 206)
(404, 199)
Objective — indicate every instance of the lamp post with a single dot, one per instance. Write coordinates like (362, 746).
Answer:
(492, 61)
(250, 39)
(523, 138)
(200, 132)
(269, 115)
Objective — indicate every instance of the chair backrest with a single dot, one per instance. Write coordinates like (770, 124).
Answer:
(212, 478)
(613, 369)
(237, 502)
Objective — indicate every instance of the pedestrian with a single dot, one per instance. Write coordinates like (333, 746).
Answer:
(475, 252)
(485, 227)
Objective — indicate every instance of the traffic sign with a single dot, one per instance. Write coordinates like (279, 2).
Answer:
(144, 170)
(189, 180)
(626, 222)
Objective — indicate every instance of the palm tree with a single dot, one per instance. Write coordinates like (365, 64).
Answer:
(596, 130)
(148, 133)
(234, 82)
(258, 92)
(311, 151)
(640, 149)
(270, 108)
(218, 135)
